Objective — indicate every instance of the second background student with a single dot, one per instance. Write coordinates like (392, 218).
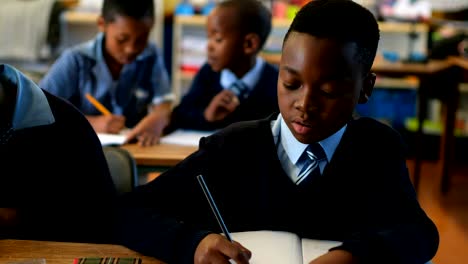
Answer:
(235, 84)
(121, 69)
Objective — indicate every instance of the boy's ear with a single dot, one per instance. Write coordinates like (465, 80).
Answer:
(101, 23)
(251, 43)
(367, 87)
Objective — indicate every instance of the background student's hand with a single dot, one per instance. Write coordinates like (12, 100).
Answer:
(216, 248)
(107, 123)
(335, 257)
(149, 130)
(221, 105)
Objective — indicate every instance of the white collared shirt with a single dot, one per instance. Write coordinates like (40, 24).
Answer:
(250, 78)
(32, 108)
(289, 149)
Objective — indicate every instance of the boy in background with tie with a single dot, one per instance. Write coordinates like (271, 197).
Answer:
(122, 70)
(235, 84)
(355, 188)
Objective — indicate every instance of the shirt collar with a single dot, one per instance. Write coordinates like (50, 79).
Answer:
(32, 107)
(250, 78)
(294, 148)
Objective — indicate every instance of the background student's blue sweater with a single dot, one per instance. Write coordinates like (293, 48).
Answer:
(261, 102)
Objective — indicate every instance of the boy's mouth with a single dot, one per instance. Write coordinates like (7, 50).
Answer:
(301, 128)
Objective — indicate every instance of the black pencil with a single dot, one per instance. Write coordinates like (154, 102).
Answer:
(214, 208)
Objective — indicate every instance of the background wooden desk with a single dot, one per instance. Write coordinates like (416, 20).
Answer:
(63, 252)
(437, 79)
(159, 155)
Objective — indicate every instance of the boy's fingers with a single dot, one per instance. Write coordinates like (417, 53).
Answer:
(235, 100)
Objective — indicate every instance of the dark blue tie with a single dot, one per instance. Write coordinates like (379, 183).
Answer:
(6, 132)
(313, 155)
(240, 89)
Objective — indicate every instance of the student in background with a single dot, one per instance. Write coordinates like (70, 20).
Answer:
(235, 84)
(54, 176)
(121, 69)
(312, 169)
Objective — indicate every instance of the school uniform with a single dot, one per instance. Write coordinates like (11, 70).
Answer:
(260, 101)
(363, 196)
(53, 169)
(82, 69)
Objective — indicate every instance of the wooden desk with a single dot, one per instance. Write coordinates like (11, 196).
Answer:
(437, 79)
(166, 155)
(62, 252)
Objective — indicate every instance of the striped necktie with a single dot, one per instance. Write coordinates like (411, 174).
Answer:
(6, 132)
(240, 89)
(313, 155)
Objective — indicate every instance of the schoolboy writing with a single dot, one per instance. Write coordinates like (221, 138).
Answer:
(235, 84)
(121, 69)
(64, 195)
(311, 169)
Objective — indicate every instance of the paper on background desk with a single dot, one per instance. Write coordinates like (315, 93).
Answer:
(185, 137)
(111, 139)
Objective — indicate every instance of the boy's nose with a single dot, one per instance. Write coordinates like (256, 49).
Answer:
(130, 49)
(306, 99)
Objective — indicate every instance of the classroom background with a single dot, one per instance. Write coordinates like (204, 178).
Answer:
(412, 31)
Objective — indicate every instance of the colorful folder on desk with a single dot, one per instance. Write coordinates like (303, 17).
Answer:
(106, 260)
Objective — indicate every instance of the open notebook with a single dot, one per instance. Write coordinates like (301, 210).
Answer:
(277, 247)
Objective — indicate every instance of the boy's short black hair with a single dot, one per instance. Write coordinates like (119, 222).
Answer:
(253, 16)
(137, 9)
(343, 20)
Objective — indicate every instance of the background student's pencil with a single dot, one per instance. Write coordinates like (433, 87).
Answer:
(97, 104)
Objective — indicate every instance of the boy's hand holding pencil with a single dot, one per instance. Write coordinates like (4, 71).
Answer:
(107, 122)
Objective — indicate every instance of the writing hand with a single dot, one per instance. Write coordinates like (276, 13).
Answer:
(221, 105)
(335, 257)
(107, 123)
(216, 248)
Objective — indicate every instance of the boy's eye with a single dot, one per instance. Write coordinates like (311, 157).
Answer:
(334, 89)
(121, 40)
(214, 36)
(329, 94)
(291, 86)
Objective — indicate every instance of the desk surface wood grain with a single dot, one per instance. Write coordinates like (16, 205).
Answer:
(159, 155)
(12, 251)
